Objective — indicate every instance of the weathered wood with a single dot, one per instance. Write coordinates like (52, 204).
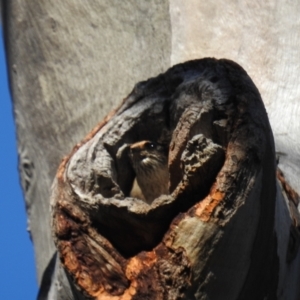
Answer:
(211, 236)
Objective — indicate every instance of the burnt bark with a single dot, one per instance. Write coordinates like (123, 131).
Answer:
(208, 238)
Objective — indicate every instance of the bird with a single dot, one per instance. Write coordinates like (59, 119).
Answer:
(150, 163)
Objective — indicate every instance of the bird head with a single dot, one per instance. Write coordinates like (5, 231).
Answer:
(147, 156)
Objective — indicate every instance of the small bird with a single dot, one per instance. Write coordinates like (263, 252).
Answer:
(150, 163)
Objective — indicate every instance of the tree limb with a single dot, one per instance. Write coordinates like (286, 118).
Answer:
(215, 229)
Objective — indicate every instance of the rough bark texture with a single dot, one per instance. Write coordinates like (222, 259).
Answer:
(222, 184)
(70, 63)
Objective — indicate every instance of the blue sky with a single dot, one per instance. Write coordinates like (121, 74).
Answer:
(17, 269)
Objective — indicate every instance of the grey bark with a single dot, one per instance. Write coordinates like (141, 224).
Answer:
(263, 37)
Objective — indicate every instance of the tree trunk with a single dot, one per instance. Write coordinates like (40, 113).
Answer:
(70, 63)
(222, 184)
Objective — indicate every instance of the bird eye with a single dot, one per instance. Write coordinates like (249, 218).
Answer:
(151, 145)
